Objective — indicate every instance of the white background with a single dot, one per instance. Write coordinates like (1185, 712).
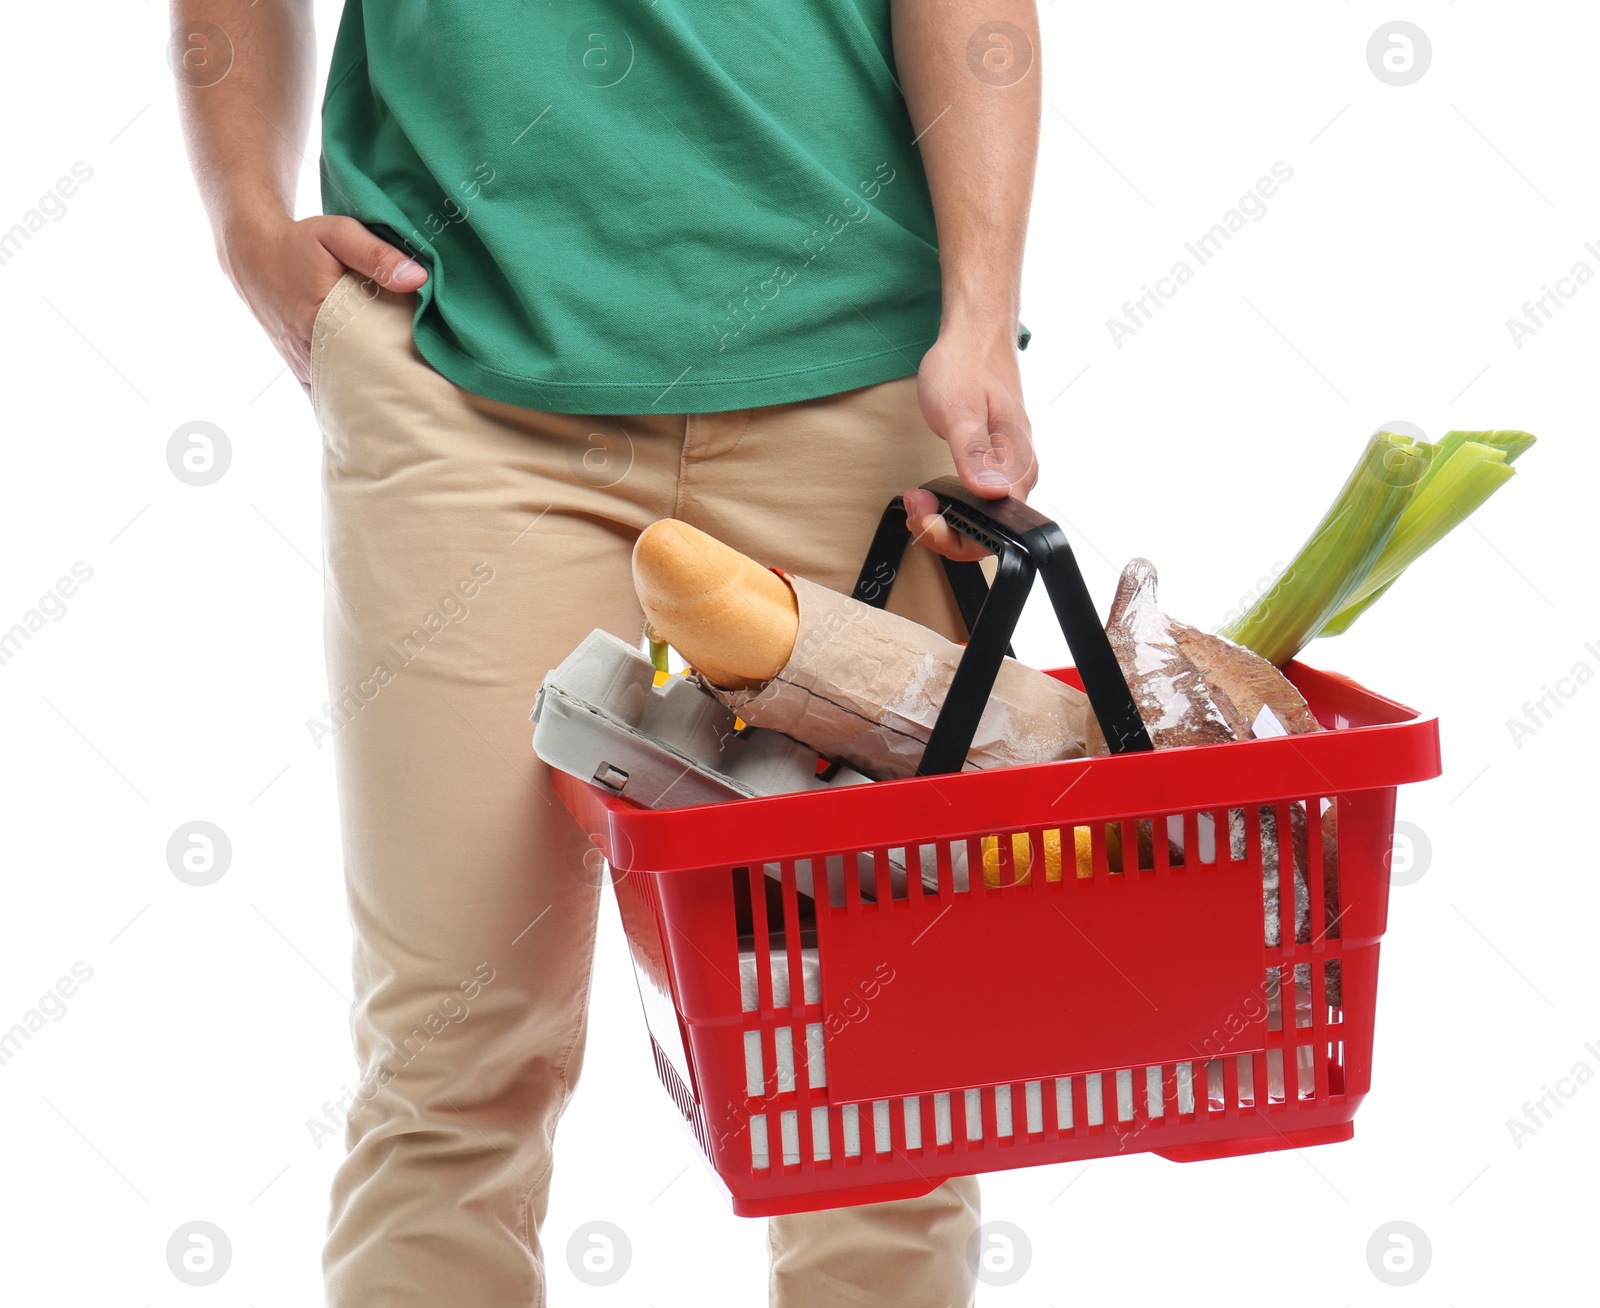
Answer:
(178, 1084)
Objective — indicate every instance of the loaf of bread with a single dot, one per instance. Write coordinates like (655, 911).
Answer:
(854, 682)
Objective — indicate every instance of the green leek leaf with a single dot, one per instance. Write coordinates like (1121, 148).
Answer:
(1325, 575)
(1465, 469)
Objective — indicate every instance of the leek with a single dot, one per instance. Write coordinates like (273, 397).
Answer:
(1464, 469)
(1324, 577)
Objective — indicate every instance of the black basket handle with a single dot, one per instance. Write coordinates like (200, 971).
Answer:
(1024, 543)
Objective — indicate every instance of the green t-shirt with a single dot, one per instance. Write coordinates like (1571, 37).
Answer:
(668, 207)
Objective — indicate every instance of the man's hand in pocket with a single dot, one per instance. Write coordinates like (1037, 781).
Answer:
(284, 270)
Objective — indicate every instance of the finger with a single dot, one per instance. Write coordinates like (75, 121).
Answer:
(998, 459)
(359, 249)
(1020, 460)
(929, 528)
(979, 465)
(940, 537)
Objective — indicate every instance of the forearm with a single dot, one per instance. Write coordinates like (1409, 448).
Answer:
(245, 132)
(979, 131)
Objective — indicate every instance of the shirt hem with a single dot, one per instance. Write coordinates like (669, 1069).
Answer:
(711, 396)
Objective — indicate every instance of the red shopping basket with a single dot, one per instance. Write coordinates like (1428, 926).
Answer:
(1210, 994)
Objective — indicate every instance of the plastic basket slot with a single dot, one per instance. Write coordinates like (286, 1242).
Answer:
(821, 1144)
(783, 1038)
(1145, 853)
(1332, 871)
(1099, 864)
(1293, 838)
(1202, 835)
(908, 882)
(881, 1135)
(1125, 1102)
(761, 931)
(1183, 1078)
(1095, 1106)
(1168, 852)
(1305, 1072)
(1317, 916)
(1272, 989)
(1246, 1092)
(755, 1076)
(1275, 1084)
(974, 1113)
(1303, 1015)
(1247, 843)
(760, 1156)
(1230, 1085)
(816, 1062)
(944, 865)
(1003, 1127)
(1033, 1107)
(973, 883)
(883, 876)
(911, 1106)
(1070, 1105)
(1154, 1100)
(850, 1129)
(805, 878)
(793, 948)
(919, 1119)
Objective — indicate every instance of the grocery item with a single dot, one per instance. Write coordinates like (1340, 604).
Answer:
(1322, 578)
(854, 682)
(1403, 496)
(600, 715)
(1192, 688)
(702, 595)
(995, 873)
(1464, 469)
(607, 713)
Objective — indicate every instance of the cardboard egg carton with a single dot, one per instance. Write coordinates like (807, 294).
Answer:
(600, 716)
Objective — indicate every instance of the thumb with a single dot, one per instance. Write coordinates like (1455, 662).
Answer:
(984, 458)
(361, 250)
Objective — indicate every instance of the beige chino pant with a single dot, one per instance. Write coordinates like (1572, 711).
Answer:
(471, 545)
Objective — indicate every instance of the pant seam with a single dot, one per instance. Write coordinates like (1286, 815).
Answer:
(686, 457)
(683, 465)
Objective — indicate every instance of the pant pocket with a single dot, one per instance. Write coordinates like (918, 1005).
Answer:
(330, 320)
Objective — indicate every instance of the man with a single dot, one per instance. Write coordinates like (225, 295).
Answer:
(753, 267)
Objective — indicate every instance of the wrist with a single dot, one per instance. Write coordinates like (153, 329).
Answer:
(987, 322)
(245, 228)
(989, 336)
